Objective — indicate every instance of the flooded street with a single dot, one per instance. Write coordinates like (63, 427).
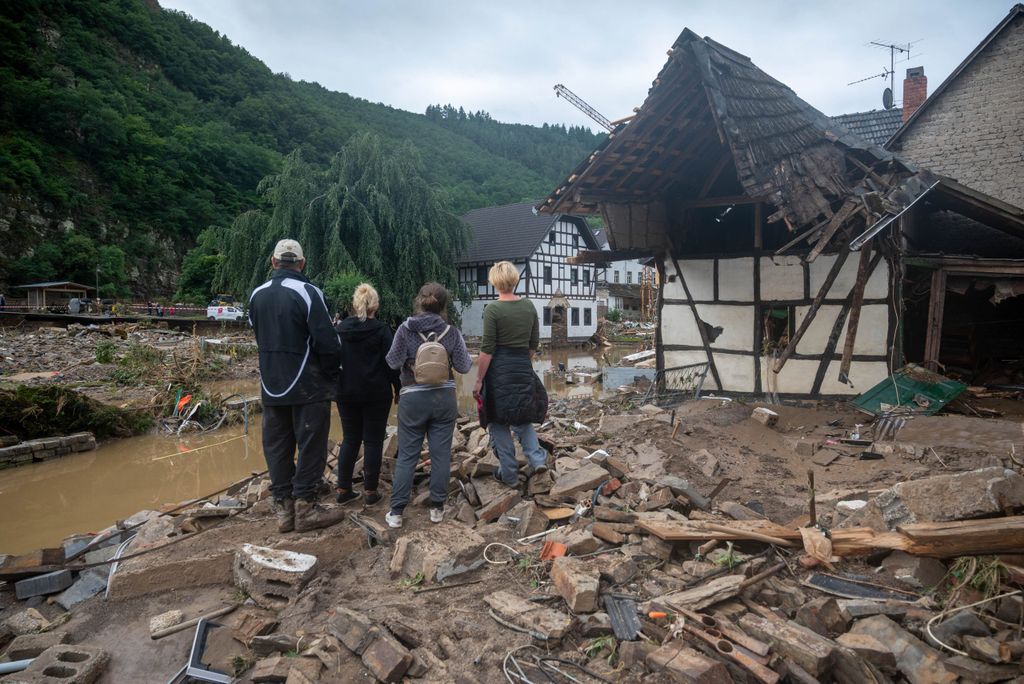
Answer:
(42, 503)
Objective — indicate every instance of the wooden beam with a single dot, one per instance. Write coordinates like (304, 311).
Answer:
(815, 305)
(698, 322)
(855, 305)
(936, 308)
(715, 173)
(758, 229)
(834, 224)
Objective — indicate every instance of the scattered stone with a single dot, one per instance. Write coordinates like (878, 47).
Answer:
(31, 645)
(252, 622)
(705, 461)
(608, 532)
(823, 616)
(809, 650)
(575, 583)
(532, 521)
(493, 510)
(595, 625)
(540, 483)
(918, 662)
(964, 623)
(273, 643)
(88, 585)
(659, 548)
(982, 673)
(659, 499)
(619, 571)
(632, 652)
(272, 577)
(63, 663)
(682, 664)
(352, 629)
(40, 585)
(611, 424)
(703, 595)
(765, 416)
(465, 513)
(578, 542)
(916, 571)
(854, 609)
(982, 648)
(529, 615)
(273, 669)
(870, 649)
(163, 621)
(28, 621)
(585, 479)
(806, 447)
(606, 514)
(387, 659)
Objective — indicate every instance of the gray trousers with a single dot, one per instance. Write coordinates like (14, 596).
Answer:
(430, 414)
(501, 438)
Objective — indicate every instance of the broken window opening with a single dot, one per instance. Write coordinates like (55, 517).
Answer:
(777, 323)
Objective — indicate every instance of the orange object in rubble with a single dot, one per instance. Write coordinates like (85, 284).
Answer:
(552, 550)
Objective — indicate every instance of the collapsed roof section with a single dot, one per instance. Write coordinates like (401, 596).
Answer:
(715, 130)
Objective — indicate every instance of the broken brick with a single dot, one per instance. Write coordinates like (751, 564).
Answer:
(387, 659)
(352, 629)
(576, 584)
(683, 664)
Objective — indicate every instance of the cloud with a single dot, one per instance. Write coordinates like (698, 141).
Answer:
(505, 57)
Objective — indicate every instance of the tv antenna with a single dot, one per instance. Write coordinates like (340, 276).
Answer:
(581, 104)
(890, 72)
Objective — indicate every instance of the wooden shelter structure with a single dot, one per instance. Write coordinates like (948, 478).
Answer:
(752, 203)
(53, 294)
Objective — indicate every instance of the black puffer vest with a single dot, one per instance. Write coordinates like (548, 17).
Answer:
(512, 393)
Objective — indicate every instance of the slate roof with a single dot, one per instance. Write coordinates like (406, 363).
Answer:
(875, 126)
(512, 231)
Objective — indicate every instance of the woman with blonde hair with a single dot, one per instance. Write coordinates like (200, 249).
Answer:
(365, 392)
(511, 394)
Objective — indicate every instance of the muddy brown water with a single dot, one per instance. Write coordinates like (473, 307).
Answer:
(41, 504)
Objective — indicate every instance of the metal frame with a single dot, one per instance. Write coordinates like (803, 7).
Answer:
(677, 384)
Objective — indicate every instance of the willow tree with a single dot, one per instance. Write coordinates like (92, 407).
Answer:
(370, 212)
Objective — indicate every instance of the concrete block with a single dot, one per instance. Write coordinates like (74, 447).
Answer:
(28, 621)
(31, 645)
(529, 615)
(41, 585)
(67, 664)
(272, 577)
(576, 584)
(88, 585)
(682, 664)
(765, 416)
(387, 659)
(159, 623)
(584, 479)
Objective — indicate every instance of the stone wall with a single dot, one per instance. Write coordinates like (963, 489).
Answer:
(974, 131)
(36, 450)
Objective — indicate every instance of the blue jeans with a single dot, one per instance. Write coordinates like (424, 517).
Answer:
(430, 414)
(501, 438)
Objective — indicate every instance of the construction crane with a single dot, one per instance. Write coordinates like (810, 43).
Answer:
(580, 104)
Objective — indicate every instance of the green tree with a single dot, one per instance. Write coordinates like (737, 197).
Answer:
(370, 213)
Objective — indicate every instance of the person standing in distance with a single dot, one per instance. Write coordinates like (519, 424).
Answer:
(299, 355)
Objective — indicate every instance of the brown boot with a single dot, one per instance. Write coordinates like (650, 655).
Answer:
(284, 509)
(309, 515)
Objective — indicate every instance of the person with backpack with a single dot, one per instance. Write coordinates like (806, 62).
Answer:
(365, 392)
(426, 349)
(511, 394)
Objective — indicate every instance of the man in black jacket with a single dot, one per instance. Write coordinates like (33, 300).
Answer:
(300, 355)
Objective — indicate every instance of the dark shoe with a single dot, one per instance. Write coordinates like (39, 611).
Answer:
(309, 515)
(323, 489)
(370, 498)
(497, 476)
(540, 470)
(346, 495)
(284, 510)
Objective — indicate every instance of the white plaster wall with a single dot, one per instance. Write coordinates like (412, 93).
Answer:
(473, 325)
(871, 331)
(472, 318)
(796, 377)
(863, 374)
(877, 286)
(736, 320)
(781, 278)
(735, 279)
(700, 278)
(678, 326)
(735, 370)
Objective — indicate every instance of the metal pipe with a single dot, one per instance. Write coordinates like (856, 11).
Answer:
(15, 666)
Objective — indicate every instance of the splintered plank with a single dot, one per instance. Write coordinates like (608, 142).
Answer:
(702, 530)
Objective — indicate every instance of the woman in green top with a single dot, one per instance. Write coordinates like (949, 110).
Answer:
(512, 396)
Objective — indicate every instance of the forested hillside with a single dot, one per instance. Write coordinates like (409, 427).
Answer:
(126, 130)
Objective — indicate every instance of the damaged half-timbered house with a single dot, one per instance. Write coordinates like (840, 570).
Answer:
(777, 234)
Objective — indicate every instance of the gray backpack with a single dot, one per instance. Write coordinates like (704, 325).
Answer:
(432, 363)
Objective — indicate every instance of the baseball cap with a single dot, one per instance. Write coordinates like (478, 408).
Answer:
(288, 250)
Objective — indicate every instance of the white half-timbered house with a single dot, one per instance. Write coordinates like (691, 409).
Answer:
(539, 245)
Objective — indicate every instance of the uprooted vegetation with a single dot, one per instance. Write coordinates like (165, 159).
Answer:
(33, 412)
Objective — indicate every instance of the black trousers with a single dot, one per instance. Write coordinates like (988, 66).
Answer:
(286, 427)
(362, 422)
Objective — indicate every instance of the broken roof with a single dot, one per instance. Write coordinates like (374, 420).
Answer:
(1015, 12)
(716, 130)
(513, 231)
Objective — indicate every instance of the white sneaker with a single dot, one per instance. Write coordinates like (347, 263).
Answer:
(436, 515)
(394, 521)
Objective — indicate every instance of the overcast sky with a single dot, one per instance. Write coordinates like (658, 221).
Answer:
(504, 57)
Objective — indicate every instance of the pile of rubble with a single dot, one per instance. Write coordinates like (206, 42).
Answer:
(631, 558)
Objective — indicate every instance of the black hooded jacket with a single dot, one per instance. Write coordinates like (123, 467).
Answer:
(299, 350)
(365, 375)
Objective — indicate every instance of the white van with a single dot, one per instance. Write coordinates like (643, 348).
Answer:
(224, 313)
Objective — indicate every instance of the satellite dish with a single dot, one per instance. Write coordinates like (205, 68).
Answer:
(887, 98)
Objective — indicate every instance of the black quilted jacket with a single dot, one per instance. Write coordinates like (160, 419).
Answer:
(512, 392)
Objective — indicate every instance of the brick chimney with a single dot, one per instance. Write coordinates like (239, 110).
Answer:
(915, 91)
